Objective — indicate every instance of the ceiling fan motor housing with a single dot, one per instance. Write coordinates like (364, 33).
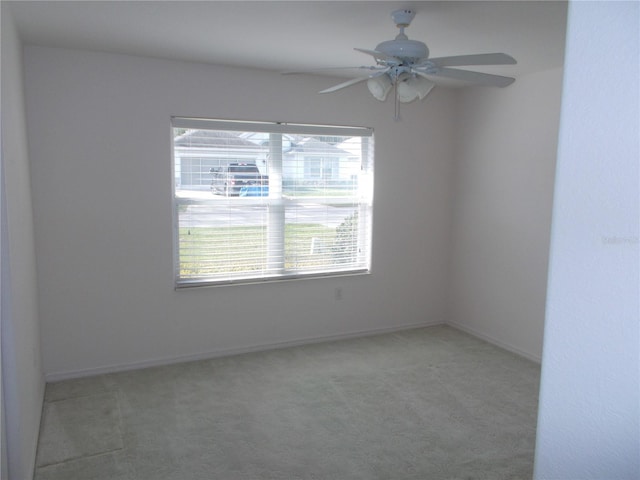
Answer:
(404, 49)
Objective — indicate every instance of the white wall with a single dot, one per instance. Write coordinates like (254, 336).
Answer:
(22, 380)
(506, 144)
(100, 139)
(589, 417)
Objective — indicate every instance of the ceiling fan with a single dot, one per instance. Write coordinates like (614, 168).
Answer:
(405, 65)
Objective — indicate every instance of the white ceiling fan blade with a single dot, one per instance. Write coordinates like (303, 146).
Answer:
(346, 84)
(479, 59)
(477, 78)
(379, 55)
(330, 69)
(353, 81)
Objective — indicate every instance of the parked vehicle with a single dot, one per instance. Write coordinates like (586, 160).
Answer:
(238, 179)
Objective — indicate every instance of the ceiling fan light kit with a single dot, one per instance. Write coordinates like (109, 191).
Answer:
(380, 86)
(405, 65)
(414, 87)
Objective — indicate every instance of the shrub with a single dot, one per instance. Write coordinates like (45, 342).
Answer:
(345, 247)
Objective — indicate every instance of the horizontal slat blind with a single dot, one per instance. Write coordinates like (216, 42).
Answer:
(265, 203)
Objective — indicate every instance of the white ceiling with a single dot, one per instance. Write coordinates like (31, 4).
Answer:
(294, 35)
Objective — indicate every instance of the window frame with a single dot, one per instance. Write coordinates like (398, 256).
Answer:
(365, 202)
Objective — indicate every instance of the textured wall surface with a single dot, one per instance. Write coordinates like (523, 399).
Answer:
(23, 383)
(589, 406)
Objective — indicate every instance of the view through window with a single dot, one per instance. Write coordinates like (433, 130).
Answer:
(261, 201)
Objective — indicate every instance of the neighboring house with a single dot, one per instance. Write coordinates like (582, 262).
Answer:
(315, 162)
(306, 160)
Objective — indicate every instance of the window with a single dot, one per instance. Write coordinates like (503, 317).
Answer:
(257, 201)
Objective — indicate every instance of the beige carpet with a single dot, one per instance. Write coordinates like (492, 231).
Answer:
(426, 404)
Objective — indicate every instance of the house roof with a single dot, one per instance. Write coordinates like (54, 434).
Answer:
(311, 145)
(211, 139)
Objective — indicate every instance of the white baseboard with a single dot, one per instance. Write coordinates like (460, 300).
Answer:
(497, 343)
(158, 362)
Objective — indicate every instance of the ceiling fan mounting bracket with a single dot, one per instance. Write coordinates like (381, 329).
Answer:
(403, 17)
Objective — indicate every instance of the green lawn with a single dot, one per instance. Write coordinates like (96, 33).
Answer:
(318, 192)
(206, 251)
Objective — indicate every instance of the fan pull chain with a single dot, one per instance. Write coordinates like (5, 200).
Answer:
(396, 101)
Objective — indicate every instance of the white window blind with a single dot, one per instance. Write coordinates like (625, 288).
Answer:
(261, 201)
